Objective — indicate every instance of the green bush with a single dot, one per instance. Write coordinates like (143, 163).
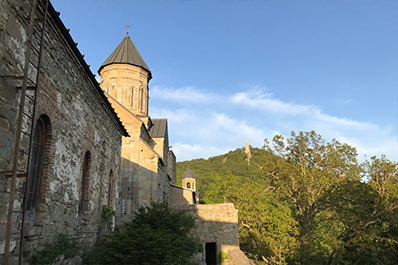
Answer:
(223, 256)
(200, 248)
(156, 235)
(62, 246)
(107, 213)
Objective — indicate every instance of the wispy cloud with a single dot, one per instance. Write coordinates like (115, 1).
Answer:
(202, 124)
(181, 95)
(185, 151)
(266, 102)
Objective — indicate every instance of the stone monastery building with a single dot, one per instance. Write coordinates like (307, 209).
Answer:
(71, 147)
(144, 155)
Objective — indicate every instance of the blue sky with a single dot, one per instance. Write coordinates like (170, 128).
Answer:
(229, 71)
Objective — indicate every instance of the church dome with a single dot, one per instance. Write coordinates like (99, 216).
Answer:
(126, 53)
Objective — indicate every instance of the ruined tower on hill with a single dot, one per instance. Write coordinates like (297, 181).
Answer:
(248, 153)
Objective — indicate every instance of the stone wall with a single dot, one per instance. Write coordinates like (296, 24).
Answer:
(172, 167)
(144, 159)
(80, 121)
(180, 196)
(215, 223)
(126, 83)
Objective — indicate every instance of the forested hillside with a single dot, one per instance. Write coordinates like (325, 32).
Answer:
(303, 200)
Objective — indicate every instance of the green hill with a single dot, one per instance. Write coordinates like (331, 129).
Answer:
(231, 163)
(304, 201)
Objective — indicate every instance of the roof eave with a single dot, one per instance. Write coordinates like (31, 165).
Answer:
(54, 15)
(143, 68)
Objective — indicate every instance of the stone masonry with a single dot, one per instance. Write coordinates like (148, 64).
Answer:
(79, 120)
(125, 165)
(217, 223)
(144, 169)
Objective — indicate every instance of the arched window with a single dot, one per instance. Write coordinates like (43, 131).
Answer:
(36, 164)
(83, 204)
(132, 96)
(111, 190)
(188, 185)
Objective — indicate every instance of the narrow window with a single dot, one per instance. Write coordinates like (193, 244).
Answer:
(142, 98)
(188, 185)
(147, 100)
(124, 195)
(107, 89)
(119, 93)
(111, 191)
(132, 96)
(36, 165)
(83, 205)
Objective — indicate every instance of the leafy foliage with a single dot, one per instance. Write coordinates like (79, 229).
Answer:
(303, 200)
(62, 246)
(155, 235)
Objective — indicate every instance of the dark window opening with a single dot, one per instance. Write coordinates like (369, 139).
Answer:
(111, 190)
(211, 253)
(194, 197)
(36, 166)
(83, 205)
(188, 185)
(142, 98)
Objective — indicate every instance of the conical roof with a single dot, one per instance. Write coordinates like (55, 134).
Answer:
(126, 53)
(188, 174)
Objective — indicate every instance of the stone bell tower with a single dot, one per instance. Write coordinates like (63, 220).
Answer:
(189, 180)
(125, 77)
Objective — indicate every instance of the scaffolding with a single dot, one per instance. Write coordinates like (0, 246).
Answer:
(26, 113)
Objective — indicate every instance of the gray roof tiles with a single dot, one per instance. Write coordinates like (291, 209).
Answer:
(188, 174)
(126, 53)
(158, 128)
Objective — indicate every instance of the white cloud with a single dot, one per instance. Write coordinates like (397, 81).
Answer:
(184, 94)
(199, 129)
(237, 130)
(177, 116)
(265, 101)
(187, 152)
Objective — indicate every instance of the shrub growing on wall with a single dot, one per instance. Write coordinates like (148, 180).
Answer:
(62, 246)
(156, 235)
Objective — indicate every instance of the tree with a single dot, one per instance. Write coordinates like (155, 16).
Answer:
(267, 228)
(308, 167)
(304, 200)
(155, 235)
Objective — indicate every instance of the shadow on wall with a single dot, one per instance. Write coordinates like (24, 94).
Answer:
(219, 243)
(180, 196)
(139, 185)
(217, 232)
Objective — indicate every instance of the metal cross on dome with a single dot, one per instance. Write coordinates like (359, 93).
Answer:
(127, 29)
